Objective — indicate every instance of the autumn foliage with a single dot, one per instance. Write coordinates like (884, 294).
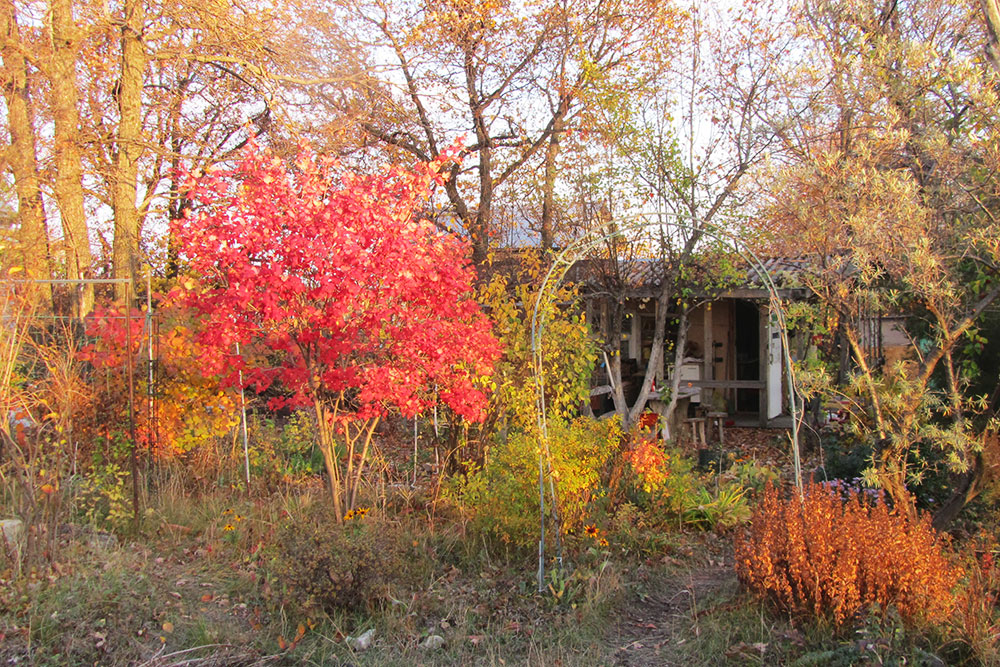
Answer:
(649, 463)
(833, 556)
(190, 406)
(339, 296)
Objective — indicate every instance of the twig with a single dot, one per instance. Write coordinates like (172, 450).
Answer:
(158, 657)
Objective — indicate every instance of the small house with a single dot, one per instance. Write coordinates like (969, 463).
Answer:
(733, 360)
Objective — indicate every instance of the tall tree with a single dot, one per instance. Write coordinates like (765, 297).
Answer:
(893, 192)
(294, 266)
(515, 77)
(685, 150)
(22, 152)
(68, 186)
(991, 14)
(123, 94)
(127, 148)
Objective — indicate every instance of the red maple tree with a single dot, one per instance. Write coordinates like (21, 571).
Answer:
(339, 293)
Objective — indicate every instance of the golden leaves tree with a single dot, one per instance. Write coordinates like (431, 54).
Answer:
(892, 191)
(517, 80)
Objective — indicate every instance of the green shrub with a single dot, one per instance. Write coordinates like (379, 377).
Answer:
(725, 508)
(750, 475)
(105, 498)
(664, 485)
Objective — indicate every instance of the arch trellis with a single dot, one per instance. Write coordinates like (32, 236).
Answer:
(579, 249)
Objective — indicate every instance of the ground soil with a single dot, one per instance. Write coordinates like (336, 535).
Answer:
(653, 629)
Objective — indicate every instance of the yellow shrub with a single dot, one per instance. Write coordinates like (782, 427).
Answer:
(503, 493)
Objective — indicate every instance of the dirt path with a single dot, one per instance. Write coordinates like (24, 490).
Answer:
(653, 630)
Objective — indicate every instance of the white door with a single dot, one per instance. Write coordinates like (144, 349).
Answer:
(773, 367)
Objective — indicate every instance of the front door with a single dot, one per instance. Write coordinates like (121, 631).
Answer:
(746, 340)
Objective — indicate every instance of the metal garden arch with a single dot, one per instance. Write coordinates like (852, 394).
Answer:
(578, 249)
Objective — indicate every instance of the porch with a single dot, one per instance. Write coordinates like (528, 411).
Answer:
(732, 364)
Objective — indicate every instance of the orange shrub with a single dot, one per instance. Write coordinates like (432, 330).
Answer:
(192, 408)
(649, 462)
(977, 619)
(832, 558)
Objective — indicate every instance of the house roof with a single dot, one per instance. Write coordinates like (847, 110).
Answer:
(642, 277)
(784, 271)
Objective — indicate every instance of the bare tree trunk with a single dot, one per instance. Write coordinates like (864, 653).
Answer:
(68, 161)
(667, 293)
(328, 447)
(547, 230)
(125, 246)
(479, 224)
(33, 237)
(968, 485)
(656, 351)
(367, 432)
(892, 478)
(964, 490)
(178, 204)
(675, 380)
(991, 13)
(479, 229)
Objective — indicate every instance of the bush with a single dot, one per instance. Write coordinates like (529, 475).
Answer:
(105, 498)
(659, 482)
(665, 486)
(978, 606)
(726, 508)
(503, 493)
(750, 475)
(833, 558)
(334, 568)
(283, 450)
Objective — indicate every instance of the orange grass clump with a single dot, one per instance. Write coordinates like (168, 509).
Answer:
(833, 556)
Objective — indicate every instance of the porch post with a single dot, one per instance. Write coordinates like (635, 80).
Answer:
(635, 339)
(708, 361)
(762, 356)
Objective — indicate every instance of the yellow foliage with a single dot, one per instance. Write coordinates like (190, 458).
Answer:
(503, 493)
(568, 350)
